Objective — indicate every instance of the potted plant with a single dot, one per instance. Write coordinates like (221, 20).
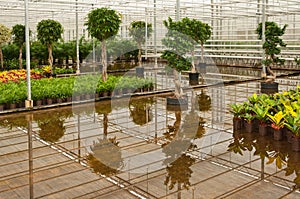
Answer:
(204, 33)
(272, 47)
(248, 118)
(178, 45)
(48, 32)
(237, 110)
(277, 124)
(292, 122)
(139, 30)
(102, 24)
(261, 112)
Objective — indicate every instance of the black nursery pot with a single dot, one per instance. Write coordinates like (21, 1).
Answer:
(269, 88)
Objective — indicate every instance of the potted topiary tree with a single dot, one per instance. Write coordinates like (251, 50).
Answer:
(202, 34)
(48, 32)
(18, 31)
(272, 49)
(5, 35)
(102, 24)
(178, 44)
(138, 31)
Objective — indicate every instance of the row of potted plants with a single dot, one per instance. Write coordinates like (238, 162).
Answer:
(49, 90)
(278, 113)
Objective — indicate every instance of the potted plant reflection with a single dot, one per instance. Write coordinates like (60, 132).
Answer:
(105, 157)
(140, 110)
(178, 162)
(52, 126)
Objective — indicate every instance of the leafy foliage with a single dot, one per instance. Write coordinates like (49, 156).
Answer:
(138, 29)
(273, 42)
(5, 35)
(103, 23)
(48, 32)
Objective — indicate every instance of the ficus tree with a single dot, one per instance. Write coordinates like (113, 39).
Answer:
(178, 44)
(48, 32)
(272, 45)
(5, 36)
(138, 31)
(18, 32)
(199, 32)
(102, 24)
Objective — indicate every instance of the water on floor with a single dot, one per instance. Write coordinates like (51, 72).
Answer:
(139, 147)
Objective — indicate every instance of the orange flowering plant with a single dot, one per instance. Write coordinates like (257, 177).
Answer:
(17, 75)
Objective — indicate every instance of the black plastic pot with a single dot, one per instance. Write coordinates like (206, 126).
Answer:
(177, 104)
(269, 88)
(194, 78)
(139, 71)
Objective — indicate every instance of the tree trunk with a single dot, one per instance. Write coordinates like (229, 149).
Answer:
(178, 89)
(140, 55)
(193, 69)
(50, 57)
(1, 57)
(105, 125)
(20, 57)
(104, 61)
(202, 52)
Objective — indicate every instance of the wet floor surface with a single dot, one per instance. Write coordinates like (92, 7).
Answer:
(141, 148)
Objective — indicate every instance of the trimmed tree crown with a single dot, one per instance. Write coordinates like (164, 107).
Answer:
(19, 34)
(103, 23)
(5, 34)
(49, 31)
(138, 31)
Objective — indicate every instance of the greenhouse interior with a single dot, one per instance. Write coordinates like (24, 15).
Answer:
(150, 99)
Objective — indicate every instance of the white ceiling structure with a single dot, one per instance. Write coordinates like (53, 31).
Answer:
(233, 21)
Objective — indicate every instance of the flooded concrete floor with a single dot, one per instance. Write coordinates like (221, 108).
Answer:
(141, 148)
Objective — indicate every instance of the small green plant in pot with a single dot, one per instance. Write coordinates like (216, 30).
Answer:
(277, 124)
(272, 47)
(237, 110)
(261, 112)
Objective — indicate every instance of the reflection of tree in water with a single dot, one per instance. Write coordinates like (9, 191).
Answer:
(204, 101)
(180, 172)
(104, 108)
(177, 162)
(140, 110)
(51, 130)
(14, 121)
(106, 157)
(51, 124)
(193, 126)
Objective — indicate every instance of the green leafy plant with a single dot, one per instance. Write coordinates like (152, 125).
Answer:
(102, 24)
(5, 35)
(237, 110)
(18, 31)
(261, 113)
(138, 30)
(272, 46)
(277, 120)
(48, 32)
